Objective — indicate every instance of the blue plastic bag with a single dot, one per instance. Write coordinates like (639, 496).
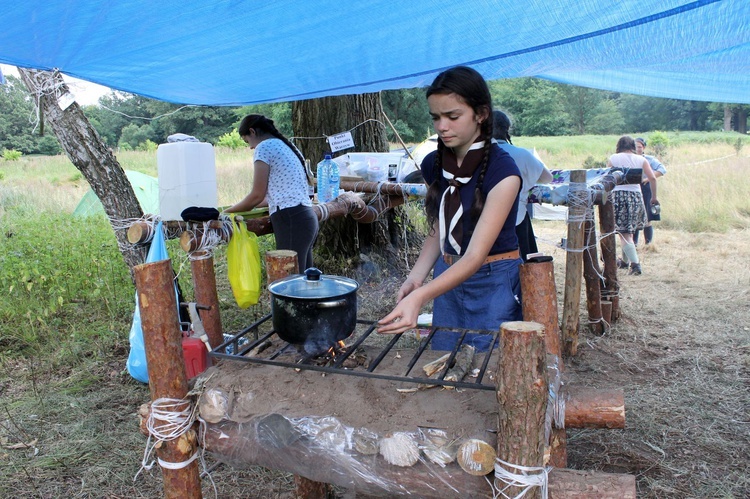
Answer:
(136, 363)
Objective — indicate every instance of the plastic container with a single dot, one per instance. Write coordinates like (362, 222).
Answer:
(196, 356)
(334, 180)
(377, 173)
(187, 177)
(323, 174)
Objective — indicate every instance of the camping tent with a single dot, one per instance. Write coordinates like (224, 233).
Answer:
(146, 190)
(229, 52)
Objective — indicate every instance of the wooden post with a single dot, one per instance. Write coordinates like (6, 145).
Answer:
(609, 255)
(577, 200)
(280, 264)
(166, 370)
(591, 273)
(588, 408)
(522, 390)
(204, 283)
(540, 305)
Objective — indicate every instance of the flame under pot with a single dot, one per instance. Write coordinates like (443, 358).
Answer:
(313, 309)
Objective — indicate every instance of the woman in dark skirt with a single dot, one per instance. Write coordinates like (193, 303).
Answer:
(630, 211)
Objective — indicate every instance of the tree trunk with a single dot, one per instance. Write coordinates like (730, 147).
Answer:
(89, 154)
(727, 118)
(344, 238)
(742, 120)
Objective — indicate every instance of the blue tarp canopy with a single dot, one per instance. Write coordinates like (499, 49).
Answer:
(233, 52)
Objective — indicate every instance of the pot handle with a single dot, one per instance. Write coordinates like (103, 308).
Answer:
(331, 304)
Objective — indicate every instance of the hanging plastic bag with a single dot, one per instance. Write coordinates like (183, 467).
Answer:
(243, 265)
(136, 363)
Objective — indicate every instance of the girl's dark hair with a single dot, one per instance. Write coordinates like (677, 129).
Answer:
(625, 144)
(469, 86)
(260, 123)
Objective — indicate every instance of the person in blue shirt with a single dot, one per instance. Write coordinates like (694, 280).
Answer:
(659, 171)
(471, 207)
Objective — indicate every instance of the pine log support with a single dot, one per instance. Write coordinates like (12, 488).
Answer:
(166, 370)
(346, 204)
(564, 483)
(608, 245)
(238, 444)
(385, 188)
(280, 264)
(522, 391)
(594, 408)
(308, 489)
(606, 311)
(574, 261)
(204, 285)
(591, 273)
(540, 305)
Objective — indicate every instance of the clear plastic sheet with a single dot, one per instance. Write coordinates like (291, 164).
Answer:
(418, 463)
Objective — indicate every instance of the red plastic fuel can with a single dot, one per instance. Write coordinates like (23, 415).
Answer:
(196, 356)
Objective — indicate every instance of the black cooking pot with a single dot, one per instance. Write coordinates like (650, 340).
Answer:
(313, 309)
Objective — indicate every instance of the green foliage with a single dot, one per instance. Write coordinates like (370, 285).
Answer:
(592, 163)
(232, 140)
(11, 155)
(658, 142)
(407, 109)
(45, 280)
(148, 146)
(535, 107)
(279, 112)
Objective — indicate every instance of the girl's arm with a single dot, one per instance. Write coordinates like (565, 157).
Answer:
(498, 204)
(258, 193)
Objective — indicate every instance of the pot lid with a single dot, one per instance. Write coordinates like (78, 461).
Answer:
(313, 285)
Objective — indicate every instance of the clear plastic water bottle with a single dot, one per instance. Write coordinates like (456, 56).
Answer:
(323, 173)
(334, 179)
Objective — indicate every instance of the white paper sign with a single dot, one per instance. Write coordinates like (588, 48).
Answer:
(66, 100)
(341, 141)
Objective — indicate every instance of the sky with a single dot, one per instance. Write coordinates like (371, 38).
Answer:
(86, 93)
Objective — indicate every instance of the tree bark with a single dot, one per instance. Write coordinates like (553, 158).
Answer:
(573, 264)
(591, 273)
(89, 154)
(166, 372)
(522, 391)
(608, 245)
(331, 115)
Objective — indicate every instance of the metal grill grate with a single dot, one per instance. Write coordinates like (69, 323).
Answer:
(241, 345)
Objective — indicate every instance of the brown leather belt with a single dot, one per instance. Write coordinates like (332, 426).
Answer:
(509, 255)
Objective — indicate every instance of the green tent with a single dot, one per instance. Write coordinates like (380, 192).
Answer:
(146, 190)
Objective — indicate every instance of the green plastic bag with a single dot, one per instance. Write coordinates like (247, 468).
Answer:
(243, 265)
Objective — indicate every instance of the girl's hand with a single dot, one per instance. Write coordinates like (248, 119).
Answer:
(402, 318)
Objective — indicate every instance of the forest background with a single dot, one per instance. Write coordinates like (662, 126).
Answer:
(537, 108)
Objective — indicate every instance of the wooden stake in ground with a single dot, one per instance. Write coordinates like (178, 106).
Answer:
(166, 370)
(577, 202)
(540, 305)
(609, 256)
(280, 264)
(591, 273)
(204, 283)
(522, 391)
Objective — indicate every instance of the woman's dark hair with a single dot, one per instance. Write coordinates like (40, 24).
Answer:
(260, 123)
(501, 126)
(625, 144)
(469, 86)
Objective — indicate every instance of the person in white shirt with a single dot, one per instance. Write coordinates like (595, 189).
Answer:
(533, 172)
(279, 176)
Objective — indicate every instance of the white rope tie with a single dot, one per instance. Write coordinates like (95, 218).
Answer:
(175, 417)
(528, 478)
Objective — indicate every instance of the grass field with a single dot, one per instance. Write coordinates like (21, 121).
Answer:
(67, 407)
